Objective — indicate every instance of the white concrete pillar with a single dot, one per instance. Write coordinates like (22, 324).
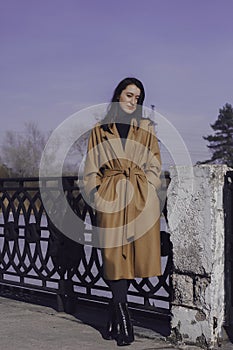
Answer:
(196, 223)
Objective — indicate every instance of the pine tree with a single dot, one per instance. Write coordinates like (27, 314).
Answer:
(221, 143)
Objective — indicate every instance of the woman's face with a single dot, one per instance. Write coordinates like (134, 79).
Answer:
(128, 98)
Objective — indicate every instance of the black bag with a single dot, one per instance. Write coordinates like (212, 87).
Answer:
(166, 244)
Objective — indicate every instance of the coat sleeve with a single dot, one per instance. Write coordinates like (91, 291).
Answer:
(153, 166)
(92, 175)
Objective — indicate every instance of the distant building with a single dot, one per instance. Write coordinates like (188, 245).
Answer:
(4, 171)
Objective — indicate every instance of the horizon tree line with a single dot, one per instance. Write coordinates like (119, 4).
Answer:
(21, 153)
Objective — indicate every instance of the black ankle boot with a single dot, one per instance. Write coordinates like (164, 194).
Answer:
(111, 328)
(125, 333)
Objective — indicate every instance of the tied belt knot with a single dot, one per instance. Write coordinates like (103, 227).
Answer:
(127, 172)
(129, 207)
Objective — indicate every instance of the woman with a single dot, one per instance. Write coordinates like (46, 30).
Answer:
(122, 176)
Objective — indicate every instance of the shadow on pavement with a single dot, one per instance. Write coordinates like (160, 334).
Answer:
(229, 332)
(95, 314)
(97, 318)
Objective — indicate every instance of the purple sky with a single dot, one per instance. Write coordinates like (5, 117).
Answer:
(59, 56)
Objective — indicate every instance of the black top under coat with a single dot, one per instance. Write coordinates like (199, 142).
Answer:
(123, 127)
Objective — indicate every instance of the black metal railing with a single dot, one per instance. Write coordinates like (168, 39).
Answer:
(228, 211)
(34, 255)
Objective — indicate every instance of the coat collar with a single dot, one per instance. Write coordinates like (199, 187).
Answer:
(112, 134)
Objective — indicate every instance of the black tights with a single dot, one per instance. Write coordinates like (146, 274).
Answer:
(119, 289)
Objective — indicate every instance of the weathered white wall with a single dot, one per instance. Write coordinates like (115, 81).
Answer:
(196, 223)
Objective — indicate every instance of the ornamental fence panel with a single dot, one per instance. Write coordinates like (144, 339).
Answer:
(36, 256)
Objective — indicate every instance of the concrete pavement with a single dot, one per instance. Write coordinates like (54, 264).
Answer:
(25, 326)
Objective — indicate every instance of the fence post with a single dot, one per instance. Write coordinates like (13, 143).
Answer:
(196, 222)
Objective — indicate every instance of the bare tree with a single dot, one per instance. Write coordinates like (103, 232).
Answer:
(21, 152)
(76, 155)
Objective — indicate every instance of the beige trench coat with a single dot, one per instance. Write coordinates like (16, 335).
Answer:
(126, 202)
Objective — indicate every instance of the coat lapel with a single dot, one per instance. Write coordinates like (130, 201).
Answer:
(112, 137)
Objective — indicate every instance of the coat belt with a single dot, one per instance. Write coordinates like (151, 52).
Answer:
(130, 174)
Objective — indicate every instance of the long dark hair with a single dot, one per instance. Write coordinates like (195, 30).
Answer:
(114, 107)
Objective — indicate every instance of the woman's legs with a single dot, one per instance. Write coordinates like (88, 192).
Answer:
(119, 324)
(119, 289)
